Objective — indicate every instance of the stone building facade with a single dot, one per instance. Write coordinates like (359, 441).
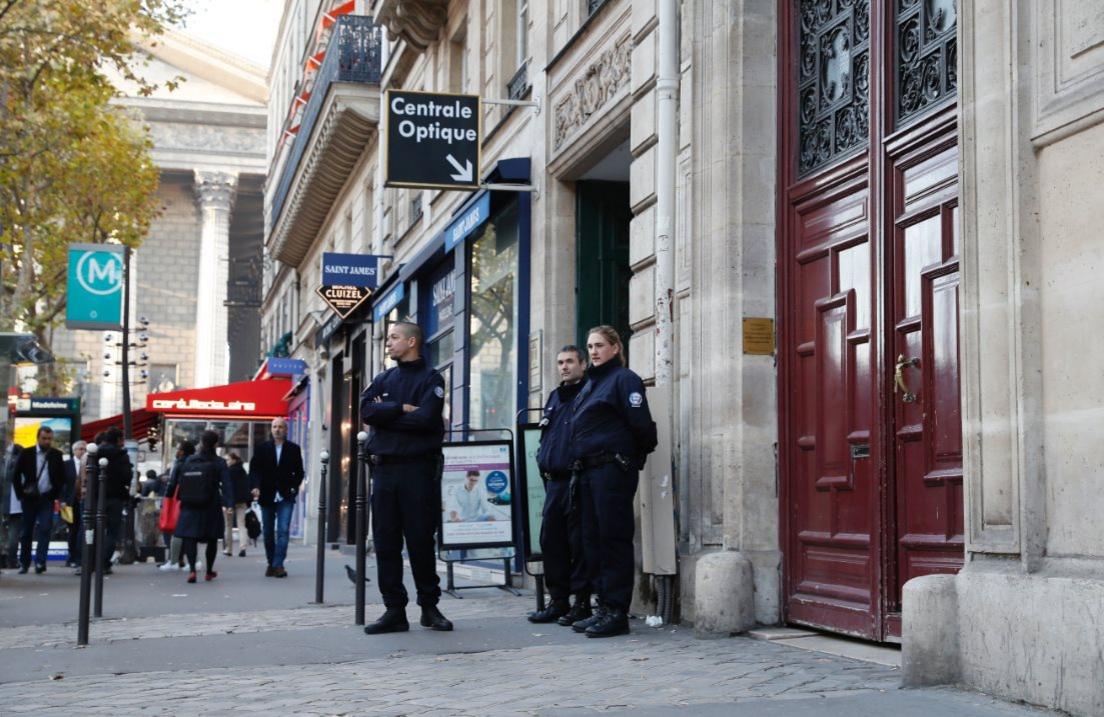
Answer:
(857, 184)
(196, 276)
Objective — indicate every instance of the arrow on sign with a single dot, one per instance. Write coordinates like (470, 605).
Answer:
(463, 174)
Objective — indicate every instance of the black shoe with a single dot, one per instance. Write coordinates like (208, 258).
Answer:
(108, 571)
(583, 625)
(392, 620)
(614, 622)
(40, 568)
(555, 610)
(23, 569)
(579, 611)
(432, 618)
(270, 571)
(241, 553)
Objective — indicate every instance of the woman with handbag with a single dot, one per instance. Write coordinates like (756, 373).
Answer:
(170, 510)
(204, 490)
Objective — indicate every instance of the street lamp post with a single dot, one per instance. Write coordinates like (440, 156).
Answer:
(320, 562)
(361, 523)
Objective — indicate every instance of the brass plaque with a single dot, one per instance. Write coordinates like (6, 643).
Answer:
(759, 336)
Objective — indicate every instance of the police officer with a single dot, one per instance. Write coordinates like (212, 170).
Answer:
(403, 408)
(561, 533)
(612, 435)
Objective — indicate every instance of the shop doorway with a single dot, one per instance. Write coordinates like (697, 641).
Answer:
(602, 254)
(871, 435)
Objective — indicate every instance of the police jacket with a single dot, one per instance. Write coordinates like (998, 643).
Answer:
(554, 455)
(394, 433)
(611, 415)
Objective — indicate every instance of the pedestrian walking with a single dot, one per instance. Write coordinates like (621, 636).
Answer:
(11, 510)
(116, 489)
(561, 536)
(275, 473)
(403, 410)
(612, 435)
(74, 479)
(204, 482)
(239, 481)
(39, 481)
(176, 545)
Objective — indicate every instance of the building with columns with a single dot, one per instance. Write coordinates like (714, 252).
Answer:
(850, 243)
(196, 276)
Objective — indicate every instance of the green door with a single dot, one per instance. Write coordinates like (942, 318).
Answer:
(602, 251)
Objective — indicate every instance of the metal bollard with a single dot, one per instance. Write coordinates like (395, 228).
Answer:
(320, 561)
(100, 538)
(88, 547)
(361, 523)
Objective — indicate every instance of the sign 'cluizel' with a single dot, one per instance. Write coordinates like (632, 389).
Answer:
(433, 140)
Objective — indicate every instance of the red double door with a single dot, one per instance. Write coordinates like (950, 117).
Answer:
(871, 436)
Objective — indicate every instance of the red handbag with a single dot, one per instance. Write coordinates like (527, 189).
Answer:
(170, 512)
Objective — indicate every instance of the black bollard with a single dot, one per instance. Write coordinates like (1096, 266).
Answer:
(88, 547)
(361, 523)
(100, 538)
(320, 560)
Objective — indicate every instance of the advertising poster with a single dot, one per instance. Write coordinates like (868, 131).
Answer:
(26, 431)
(476, 486)
(531, 489)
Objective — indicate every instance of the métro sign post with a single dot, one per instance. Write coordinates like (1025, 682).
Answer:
(433, 140)
(95, 286)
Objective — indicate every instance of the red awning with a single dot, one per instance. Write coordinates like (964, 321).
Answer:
(244, 399)
(141, 421)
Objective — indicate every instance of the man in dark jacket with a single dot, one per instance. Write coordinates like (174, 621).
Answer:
(39, 481)
(275, 473)
(74, 470)
(403, 407)
(561, 535)
(120, 472)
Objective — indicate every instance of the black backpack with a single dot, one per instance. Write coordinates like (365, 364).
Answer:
(252, 525)
(198, 481)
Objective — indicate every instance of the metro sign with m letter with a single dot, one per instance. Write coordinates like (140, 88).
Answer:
(433, 140)
(95, 289)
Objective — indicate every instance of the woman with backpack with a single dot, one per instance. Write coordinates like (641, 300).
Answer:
(205, 489)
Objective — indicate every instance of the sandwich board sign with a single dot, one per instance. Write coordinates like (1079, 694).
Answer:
(94, 298)
(433, 140)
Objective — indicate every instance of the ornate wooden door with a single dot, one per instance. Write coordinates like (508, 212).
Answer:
(868, 270)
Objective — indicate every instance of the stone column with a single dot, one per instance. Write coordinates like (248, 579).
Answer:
(215, 197)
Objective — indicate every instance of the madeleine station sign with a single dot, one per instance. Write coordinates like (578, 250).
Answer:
(433, 140)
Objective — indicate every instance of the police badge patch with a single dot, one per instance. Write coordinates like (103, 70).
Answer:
(636, 399)
(439, 391)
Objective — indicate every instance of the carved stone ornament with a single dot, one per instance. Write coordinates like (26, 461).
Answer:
(600, 82)
(419, 22)
(215, 189)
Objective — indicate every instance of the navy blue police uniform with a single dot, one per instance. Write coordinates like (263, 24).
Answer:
(561, 536)
(405, 458)
(612, 435)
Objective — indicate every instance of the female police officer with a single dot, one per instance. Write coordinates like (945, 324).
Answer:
(612, 435)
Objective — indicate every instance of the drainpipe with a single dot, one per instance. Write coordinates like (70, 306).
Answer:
(657, 500)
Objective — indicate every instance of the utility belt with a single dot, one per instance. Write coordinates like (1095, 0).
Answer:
(601, 459)
(556, 475)
(378, 460)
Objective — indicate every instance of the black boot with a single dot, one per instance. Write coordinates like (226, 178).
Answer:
(579, 611)
(555, 610)
(614, 622)
(584, 624)
(432, 618)
(392, 620)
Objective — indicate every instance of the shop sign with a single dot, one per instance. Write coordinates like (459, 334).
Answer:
(350, 269)
(94, 298)
(468, 221)
(344, 299)
(389, 301)
(433, 140)
(196, 404)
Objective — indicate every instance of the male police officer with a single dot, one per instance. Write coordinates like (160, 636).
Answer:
(561, 535)
(403, 406)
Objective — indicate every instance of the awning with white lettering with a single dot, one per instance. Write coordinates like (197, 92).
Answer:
(256, 400)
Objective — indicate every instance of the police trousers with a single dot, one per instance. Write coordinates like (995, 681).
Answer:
(561, 541)
(606, 495)
(406, 505)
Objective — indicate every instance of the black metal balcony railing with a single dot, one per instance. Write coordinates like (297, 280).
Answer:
(353, 56)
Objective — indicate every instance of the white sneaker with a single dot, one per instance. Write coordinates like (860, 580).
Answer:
(168, 567)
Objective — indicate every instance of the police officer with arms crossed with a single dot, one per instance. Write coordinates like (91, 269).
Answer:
(403, 407)
(612, 435)
(561, 533)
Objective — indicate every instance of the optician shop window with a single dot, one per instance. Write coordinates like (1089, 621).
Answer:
(493, 322)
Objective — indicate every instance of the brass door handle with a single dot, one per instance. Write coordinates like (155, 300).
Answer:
(899, 384)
